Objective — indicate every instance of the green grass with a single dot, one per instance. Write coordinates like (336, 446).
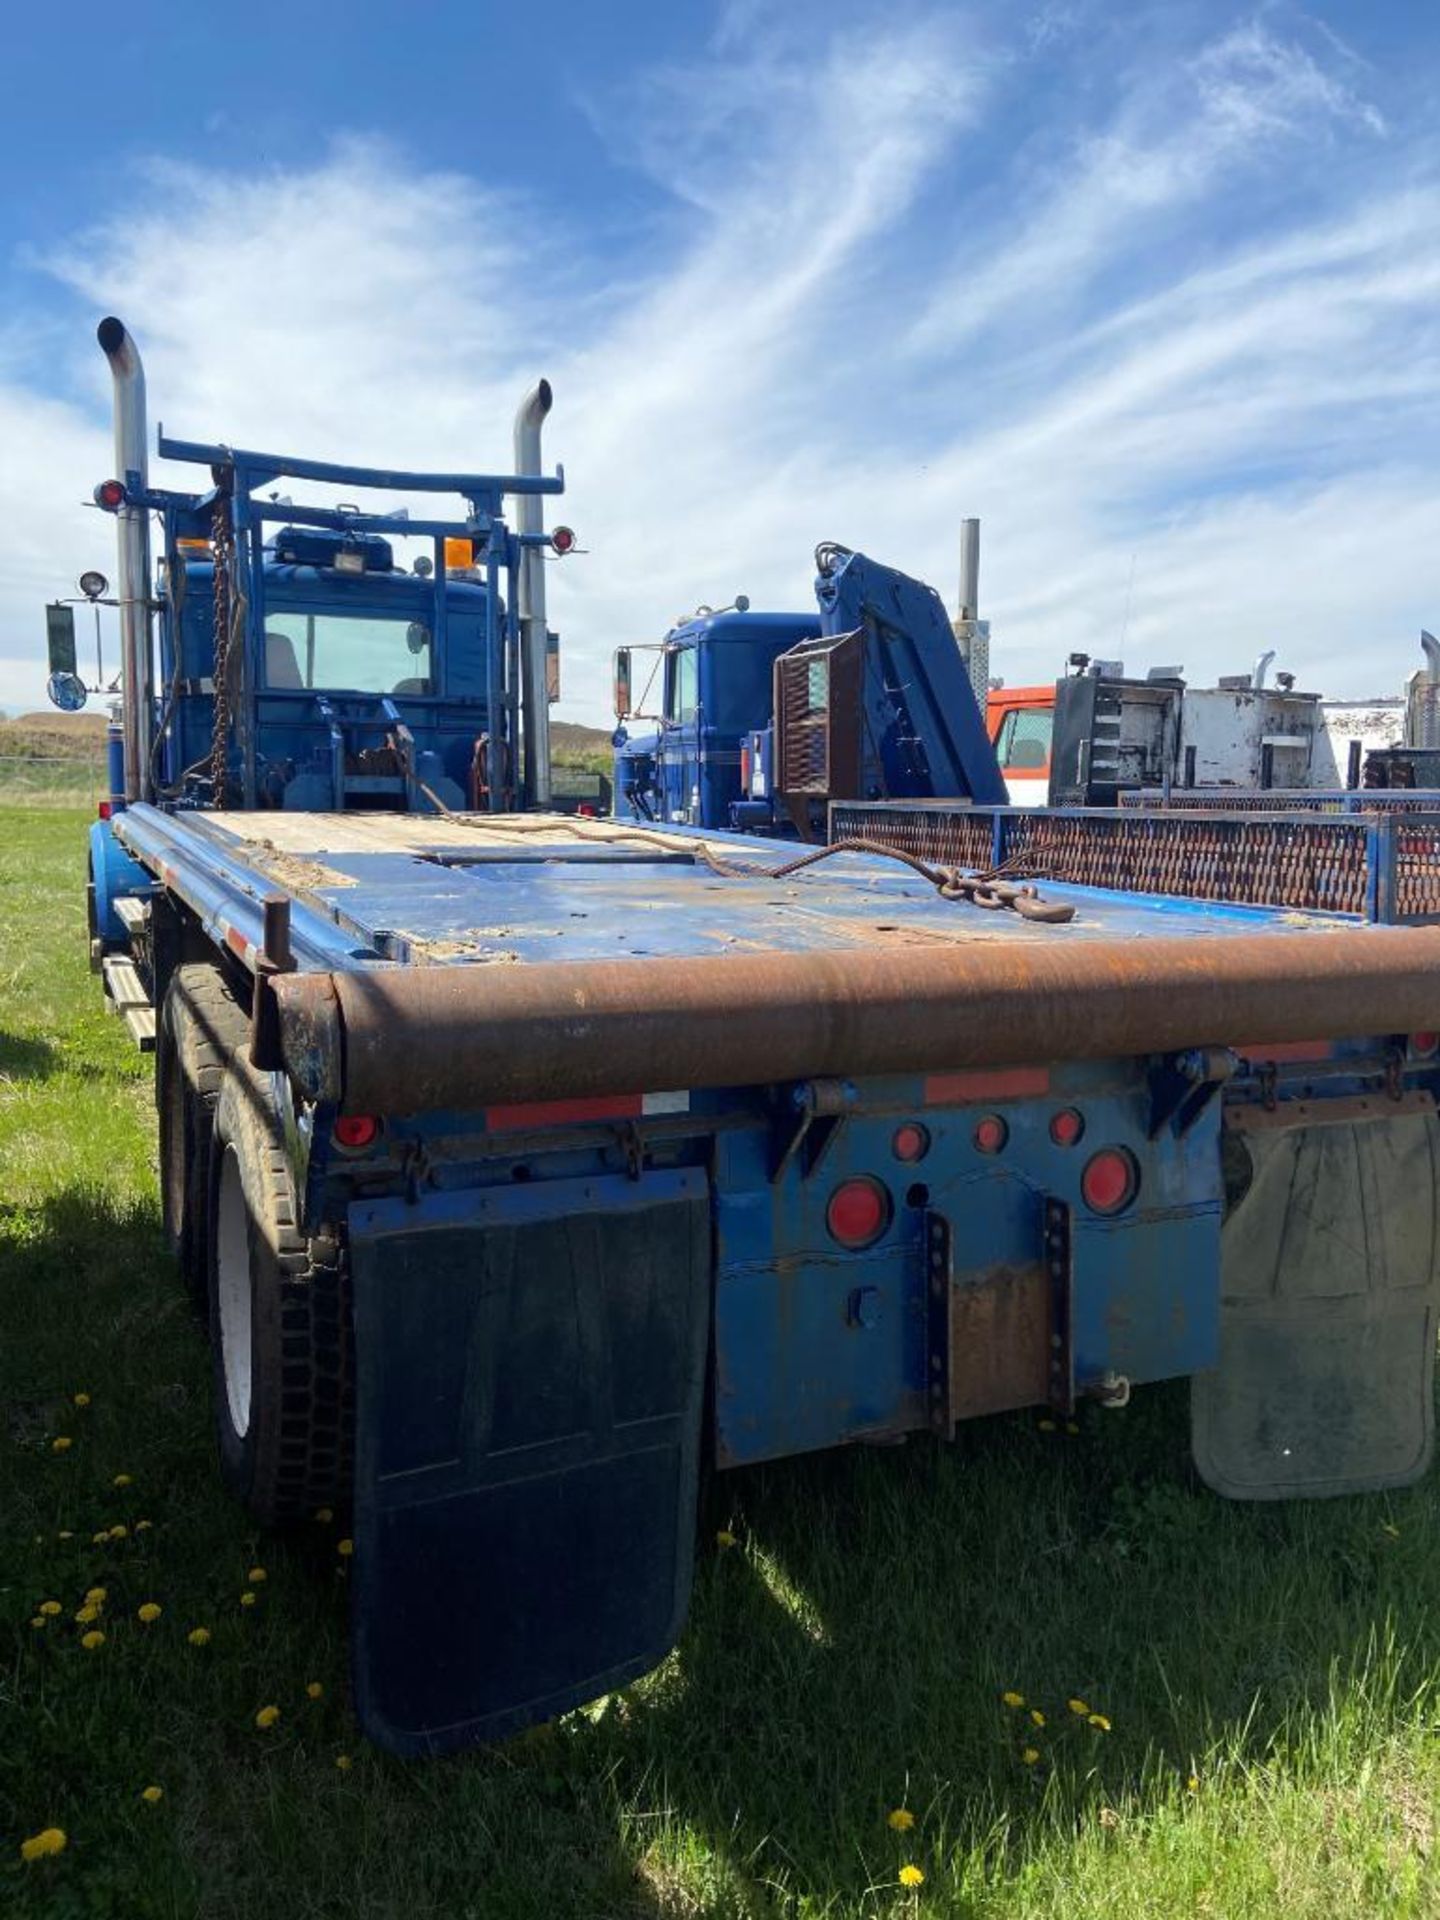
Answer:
(845, 1657)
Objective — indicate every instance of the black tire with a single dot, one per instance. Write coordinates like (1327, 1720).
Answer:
(279, 1319)
(201, 1029)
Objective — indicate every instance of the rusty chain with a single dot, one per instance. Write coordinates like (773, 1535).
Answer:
(222, 536)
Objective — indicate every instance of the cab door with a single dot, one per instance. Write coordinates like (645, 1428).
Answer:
(679, 768)
(1021, 723)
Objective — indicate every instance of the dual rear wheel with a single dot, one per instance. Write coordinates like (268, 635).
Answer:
(276, 1298)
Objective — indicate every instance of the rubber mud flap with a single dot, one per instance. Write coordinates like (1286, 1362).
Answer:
(1328, 1314)
(530, 1378)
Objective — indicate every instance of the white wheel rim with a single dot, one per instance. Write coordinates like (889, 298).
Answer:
(232, 1292)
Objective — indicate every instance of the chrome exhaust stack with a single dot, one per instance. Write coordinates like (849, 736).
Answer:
(534, 632)
(133, 539)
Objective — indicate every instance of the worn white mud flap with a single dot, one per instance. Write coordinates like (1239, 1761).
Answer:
(1330, 1278)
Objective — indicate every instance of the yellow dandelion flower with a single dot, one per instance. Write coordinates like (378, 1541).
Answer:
(345, 1548)
(41, 1845)
(313, 1689)
(1046, 1426)
(86, 1615)
(900, 1818)
(1388, 1526)
(199, 1636)
(149, 1613)
(38, 1620)
(344, 1762)
(724, 1538)
(50, 1607)
(62, 1443)
(911, 1876)
(143, 1526)
(1077, 1705)
(247, 1599)
(81, 1399)
(121, 1480)
(1072, 1426)
(65, 1534)
(1013, 1699)
(98, 1539)
(323, 1516)
(96, 1596)
(119, 1533)
(256, 1575)
(1099, 1721)
(267, 1716)
(1030, 1755)
(1037, 1716)
(1192, 1785)
(90, 1641)
(152, 1795)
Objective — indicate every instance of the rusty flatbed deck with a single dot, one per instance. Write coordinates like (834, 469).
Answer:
(534, 889)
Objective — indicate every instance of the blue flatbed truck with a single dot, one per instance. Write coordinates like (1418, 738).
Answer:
(527, 1166)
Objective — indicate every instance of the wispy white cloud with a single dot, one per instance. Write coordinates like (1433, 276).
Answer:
(1157, 352)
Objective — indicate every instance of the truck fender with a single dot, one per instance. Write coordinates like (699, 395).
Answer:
(112, 874)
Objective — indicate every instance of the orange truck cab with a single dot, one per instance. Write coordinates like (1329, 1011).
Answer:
(1020, 721)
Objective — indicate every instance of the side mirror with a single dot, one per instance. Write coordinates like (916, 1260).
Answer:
(66, 691)
(622, 683)
(60, 638)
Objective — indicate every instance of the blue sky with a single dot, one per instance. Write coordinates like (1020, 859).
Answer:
(1154, 290)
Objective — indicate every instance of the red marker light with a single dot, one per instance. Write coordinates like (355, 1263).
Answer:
(991, 1133)
(562, 539)
(1424, 1043)
(1067, 1126)
(1110, 1181)
(110, 494)
(910, 1142)
(858, 1213)
(354, 1131)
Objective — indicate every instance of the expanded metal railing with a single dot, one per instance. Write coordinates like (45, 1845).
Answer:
(1371, 865)
(1282, 800)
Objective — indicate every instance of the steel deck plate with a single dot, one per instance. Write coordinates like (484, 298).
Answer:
(443, 892)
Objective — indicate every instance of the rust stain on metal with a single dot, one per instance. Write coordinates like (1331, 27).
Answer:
(999, 1341)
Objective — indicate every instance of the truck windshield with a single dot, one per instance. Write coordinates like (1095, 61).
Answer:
(346, 652)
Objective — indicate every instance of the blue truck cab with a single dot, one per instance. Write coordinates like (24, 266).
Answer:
(766, 719)
(351, 650)
(713, 673)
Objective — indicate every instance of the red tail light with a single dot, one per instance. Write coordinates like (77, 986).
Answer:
(991, 1133)
(910, 1142)
(563, 539)
(858, 1213)
(110, 494)
(1110, 1181)
(1067, 1126)
(354, 1131)
(1424, 1043)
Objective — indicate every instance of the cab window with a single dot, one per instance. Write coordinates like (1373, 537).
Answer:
(681, 685)
(1023, 742)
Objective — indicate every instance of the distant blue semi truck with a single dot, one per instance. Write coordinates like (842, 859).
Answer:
(526, 1166)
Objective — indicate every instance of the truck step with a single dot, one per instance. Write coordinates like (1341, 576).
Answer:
(132, 911)
(141, 1022)
(125, 994)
